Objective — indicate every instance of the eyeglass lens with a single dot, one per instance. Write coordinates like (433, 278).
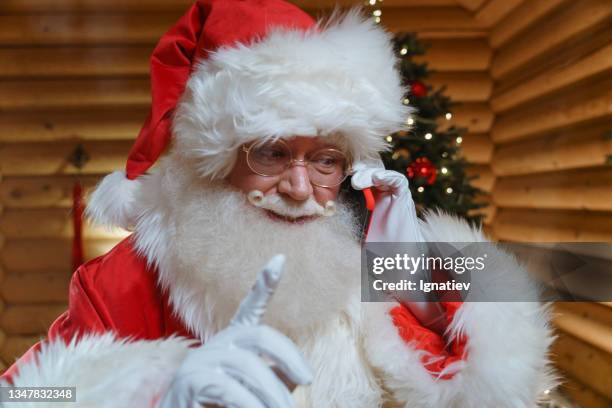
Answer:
(326, 166)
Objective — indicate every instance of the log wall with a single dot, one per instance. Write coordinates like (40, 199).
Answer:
(75, 72)
(552, 101)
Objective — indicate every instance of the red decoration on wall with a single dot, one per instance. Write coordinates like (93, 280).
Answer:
(418, 89)
(77, 224)
(422, 167)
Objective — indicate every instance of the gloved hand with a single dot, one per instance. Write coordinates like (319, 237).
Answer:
(228, 370)
(394, 217)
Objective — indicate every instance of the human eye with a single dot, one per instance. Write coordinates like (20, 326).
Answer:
(271, 153)
(328, 161)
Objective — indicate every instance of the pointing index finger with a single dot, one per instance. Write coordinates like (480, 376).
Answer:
(253, 306)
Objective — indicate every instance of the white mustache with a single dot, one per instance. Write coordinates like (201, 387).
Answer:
(280, 206)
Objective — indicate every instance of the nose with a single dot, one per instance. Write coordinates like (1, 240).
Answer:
(295, 183)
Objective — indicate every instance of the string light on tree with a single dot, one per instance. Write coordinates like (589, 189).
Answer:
(427, 152)
(389, 138)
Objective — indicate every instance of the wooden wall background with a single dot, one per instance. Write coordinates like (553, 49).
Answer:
(552, 101)
(533, 77)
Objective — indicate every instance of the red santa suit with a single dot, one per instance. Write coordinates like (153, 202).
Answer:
(126, 332)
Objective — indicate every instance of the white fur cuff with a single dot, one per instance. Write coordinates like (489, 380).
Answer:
(105, 371)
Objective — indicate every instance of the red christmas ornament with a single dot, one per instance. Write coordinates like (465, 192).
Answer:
(422, 167)
(418, 89)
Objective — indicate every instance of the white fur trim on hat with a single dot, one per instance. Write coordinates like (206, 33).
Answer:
(113, 202)
(338, 79)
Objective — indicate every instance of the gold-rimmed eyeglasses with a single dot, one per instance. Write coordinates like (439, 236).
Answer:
(327, 167)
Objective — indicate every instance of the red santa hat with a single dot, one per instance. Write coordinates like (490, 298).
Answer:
(234, 71)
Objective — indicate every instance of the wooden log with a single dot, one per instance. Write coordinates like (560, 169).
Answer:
(75, 94)
(417, 19)
(74, 61)
(21, 159)
(147, 27)
(529, 225)
(50, 223)
(583, 394)
(41, 192)
(74, 29)
(477, 148)
(122, 6)
(327, 4)
(583, 106)
(15, 346)
(570, 23)
(495, 10)
(564, 150)
(588, 189)
(586, 363)
(464, 86)
(488, 232)
(62, 125)
(89, 6)
(521, 18)
(471, 5)
(488, 212)
(486, 178)
(457, 55)
(31, 255)
(593, 311)
(476, 117)
(29, 319)
(2, 338)
(592, 332)
(46, 287)
(554, 79)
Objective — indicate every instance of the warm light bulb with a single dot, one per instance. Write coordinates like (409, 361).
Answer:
(377, 13)
(410, 121)
(449, 190)
(377, 20)
(449, 116)
(459, 140)
(372, 2)
(389, 139)
(428, 136)
(406, 101)
(421, 189)
(404, 51)
(444, 170)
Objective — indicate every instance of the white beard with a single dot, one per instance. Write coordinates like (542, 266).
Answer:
(213, 243)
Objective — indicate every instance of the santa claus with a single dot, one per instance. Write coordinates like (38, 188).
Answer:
(268, 118)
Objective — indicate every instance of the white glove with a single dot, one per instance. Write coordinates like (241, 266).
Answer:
(394, 217)
(228, 370)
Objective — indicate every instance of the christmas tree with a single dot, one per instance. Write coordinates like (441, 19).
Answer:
(430, 152)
